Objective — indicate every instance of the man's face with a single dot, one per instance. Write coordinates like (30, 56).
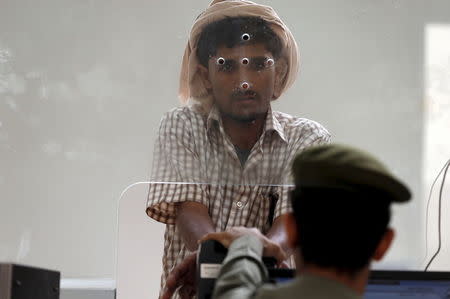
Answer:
(242, 81)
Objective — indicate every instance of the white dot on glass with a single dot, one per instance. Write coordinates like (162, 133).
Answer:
(220, 60)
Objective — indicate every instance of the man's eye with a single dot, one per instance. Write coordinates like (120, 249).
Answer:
(260, 64)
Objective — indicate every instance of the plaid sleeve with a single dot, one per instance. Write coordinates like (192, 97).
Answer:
(314, 135)
(176, 170)
(284, 205)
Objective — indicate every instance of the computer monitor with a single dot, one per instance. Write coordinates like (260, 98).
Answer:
(393, 284)
(408, 285)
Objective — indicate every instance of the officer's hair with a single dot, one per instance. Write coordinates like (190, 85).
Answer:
(340, 229)
(229, 31)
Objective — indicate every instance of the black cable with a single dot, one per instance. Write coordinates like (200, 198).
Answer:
(439, 217)
(428, 208)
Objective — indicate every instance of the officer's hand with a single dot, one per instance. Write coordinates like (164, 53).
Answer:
(227, 237)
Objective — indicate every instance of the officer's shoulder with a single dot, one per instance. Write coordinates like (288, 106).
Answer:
(284, 290)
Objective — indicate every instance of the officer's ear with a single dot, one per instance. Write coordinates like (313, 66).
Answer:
(281, 70)
(384, 244)
(291, 230)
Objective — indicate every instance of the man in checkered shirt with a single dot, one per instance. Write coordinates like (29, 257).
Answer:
(223, 160)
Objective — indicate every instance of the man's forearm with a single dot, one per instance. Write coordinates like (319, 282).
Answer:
(193, 222)
(277, 234)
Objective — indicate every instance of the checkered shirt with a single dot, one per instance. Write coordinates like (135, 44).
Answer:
(195, 160)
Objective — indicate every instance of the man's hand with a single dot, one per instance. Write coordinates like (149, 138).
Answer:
(227, 237)
(183, 275)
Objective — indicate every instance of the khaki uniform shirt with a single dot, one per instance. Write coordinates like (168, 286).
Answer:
(243, 273)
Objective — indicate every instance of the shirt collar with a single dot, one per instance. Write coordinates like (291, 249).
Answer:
(213, 117)
(272, 124)
(320, 285)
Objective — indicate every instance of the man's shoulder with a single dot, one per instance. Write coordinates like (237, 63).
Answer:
(300, 125)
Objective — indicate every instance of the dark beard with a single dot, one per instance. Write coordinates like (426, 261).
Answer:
(244, 119)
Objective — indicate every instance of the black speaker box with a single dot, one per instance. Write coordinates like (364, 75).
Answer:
(24, 282)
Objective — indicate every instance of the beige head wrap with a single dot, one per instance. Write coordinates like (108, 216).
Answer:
(191, 86)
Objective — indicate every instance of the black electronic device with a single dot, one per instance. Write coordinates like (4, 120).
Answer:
(24, 282)
(209, 259)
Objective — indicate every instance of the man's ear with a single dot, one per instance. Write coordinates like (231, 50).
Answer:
(281, 69)
(291, 230)
(204, 76)
(384, 244)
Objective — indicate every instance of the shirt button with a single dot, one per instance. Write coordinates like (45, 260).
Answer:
(239, 204)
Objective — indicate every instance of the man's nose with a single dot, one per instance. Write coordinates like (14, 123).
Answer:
(244, 85)
(245, 76)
